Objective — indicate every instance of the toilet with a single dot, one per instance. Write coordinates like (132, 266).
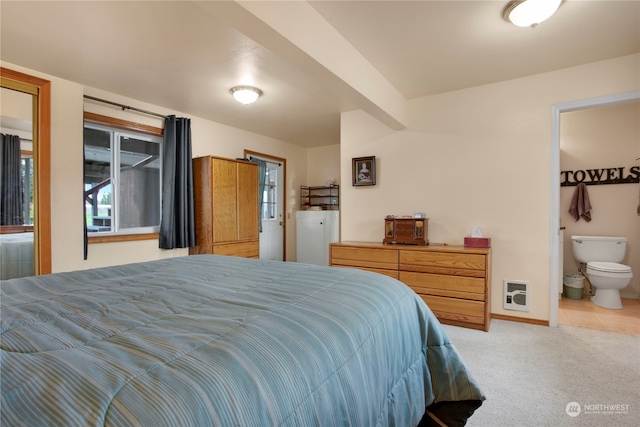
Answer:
(602, 256)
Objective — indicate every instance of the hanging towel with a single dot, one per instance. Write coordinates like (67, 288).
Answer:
(580, 205)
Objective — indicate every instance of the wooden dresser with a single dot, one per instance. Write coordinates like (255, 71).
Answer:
(226, 207)
(455, 281)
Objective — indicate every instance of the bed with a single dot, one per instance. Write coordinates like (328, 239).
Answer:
(16, 255)
(209, 340)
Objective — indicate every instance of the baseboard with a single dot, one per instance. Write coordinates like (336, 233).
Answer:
(520, 319)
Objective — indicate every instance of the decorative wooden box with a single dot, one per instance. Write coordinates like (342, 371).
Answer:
(407, 231)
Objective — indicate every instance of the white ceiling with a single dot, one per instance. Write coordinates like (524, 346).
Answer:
(313, 60)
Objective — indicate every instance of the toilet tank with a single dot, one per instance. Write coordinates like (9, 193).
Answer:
(598, 248)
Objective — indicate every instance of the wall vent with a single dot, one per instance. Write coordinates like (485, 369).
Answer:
(516, 295)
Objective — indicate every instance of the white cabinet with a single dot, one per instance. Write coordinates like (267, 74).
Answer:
(315, 231)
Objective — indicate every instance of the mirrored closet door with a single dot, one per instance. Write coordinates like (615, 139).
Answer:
(25, 235)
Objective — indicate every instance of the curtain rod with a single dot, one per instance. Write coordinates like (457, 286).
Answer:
(266, 161)
(124, 107)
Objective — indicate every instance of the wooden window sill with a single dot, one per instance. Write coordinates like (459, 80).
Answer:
(123, 238)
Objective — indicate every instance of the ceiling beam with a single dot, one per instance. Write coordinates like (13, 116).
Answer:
(298, 34)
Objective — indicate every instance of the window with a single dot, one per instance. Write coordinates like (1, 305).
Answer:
(269, 198)
(122, 180)
(26, 168)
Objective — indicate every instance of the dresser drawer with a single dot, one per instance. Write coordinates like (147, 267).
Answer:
(471, 288)
(385, 259)
(451, 309)
(459, 264)
(250, 249)
(390, 273)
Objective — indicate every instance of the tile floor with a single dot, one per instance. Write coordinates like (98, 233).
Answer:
(586, 314)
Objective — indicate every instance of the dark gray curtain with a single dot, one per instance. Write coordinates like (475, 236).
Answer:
(84, 201)
(262, 172)
(11, 207)
(177, 224)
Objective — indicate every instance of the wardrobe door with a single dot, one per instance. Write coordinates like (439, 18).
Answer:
(248, 214)
(225, 193)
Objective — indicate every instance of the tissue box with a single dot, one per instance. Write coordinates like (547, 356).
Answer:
(477, 242)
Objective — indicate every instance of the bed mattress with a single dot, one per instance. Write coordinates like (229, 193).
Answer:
(16, 255)
(209, 340)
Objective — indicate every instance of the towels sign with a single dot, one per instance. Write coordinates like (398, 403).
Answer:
(619, 175)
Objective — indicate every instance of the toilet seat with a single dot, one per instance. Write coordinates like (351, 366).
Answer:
(609, 267)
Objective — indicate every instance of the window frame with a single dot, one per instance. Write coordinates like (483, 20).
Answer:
(28, 182)
(125, 125)
(270, 196)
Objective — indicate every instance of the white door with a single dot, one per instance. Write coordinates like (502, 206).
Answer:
(310, 237)
(272, 235)
(315, 231)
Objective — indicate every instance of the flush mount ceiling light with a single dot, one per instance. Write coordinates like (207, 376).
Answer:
(245, 94)
(529, 13)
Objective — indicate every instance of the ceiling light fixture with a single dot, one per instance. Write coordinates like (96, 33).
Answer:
(529, 13)
(245, 94)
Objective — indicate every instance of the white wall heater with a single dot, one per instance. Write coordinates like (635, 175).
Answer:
(516, 295)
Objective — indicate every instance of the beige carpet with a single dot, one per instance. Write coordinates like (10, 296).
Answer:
(537, 376)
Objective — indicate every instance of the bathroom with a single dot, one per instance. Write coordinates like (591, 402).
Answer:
(593, 139)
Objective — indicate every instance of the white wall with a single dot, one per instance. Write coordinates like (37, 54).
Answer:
(479, 156)
(323, 165)
(596, 139)
(14, 104)
(67, 105)
(16, 116)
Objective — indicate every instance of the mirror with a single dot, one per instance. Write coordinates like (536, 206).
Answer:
(25, 240)
(17, 252)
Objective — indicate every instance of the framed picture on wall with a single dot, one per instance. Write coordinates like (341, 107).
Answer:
(363, 171)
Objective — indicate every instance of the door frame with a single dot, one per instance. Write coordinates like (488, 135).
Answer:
(282, 160)
(554, 230)
(41, 118)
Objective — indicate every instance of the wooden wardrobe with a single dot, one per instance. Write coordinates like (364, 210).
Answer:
(226, 207)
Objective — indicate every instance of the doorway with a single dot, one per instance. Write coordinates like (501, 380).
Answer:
(40, 92)
(273, 230)
(555, 278)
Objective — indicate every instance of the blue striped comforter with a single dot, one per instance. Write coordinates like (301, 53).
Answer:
(16, 255)
(222, 341)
